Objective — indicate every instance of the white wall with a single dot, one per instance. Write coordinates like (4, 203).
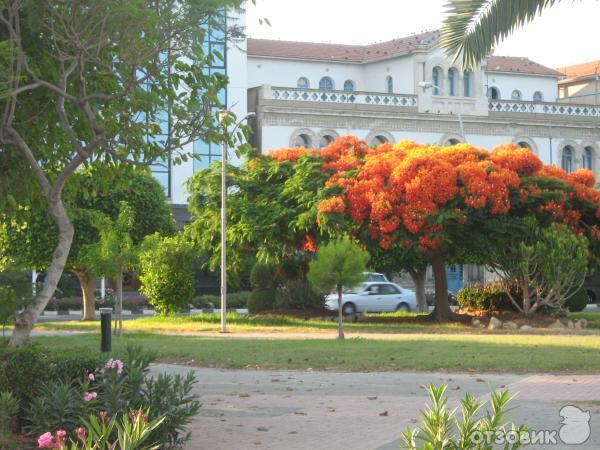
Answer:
(527, 84)
(285, 73)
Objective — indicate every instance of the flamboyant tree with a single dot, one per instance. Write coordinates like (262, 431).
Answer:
(450, 203)
(94, 81)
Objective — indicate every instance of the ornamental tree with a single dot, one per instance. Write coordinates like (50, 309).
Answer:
(84, 83)
(91, 196)
(340, 262)
(449, 203)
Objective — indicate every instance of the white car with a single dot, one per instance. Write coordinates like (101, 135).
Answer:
(374, 297)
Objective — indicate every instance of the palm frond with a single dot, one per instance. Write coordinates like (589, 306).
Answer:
(474, 27)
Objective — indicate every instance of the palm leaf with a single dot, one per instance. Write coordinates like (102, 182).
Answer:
(474, 27)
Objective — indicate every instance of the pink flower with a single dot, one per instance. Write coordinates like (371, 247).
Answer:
(46, 440)
(61, 433)
(89, 396)
(81, 433)
(90, 377)
(115, 364)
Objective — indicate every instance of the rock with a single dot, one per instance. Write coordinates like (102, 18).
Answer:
(510, 325)
(570, 324)
(526, 327)
(577, 325)
(475, 322)
(494, 324)
(361, 318)
(557, 325)
(480, 325)
(583, 323)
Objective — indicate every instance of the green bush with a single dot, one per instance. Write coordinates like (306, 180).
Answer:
(167, 273)
(117, 388)
(261, 300)
(25, 370)
(206, 301)
(489, 296)
(235, 300)
(578, 301)
(298, 294)
(263, 276)
(238, 300)
(9, 408)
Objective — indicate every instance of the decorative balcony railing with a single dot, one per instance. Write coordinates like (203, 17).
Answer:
(351, 97)
(561, 109)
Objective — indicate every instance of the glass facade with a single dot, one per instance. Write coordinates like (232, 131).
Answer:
(215, 42)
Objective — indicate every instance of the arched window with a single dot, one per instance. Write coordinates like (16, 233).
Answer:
(493, 93)
(389, 85)
(326, 84)
(516, 95)
(467, 83)
(588, 158)
(303, 83)
(453, 141)
(302, 140)
(325, 140)
(452, 82)
(524, 144)
(348, 85)
(538, 97)
(436, 79)
(378, 140)
(567, 159)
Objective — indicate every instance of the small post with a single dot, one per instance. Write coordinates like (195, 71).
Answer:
(105, 322)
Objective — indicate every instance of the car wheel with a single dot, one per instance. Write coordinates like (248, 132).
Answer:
(403, 307)
(348, 309)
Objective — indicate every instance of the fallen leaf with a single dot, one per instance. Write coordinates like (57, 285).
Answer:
(372, 398)
(385, 413)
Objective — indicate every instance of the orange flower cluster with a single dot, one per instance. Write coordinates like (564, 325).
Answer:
(290, 154)
(407, 192)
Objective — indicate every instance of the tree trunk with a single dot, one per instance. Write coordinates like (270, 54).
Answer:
(26, 319)
(119, 304)
(340, 317)
(419, 277)
(87, 290)
(441, 312)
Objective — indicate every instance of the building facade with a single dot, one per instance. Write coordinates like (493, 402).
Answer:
(307, 94)
(581, 84)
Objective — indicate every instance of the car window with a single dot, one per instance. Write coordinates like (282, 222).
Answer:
(388, 289)
(377, 277)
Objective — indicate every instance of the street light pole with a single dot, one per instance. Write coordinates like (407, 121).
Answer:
(222, 116)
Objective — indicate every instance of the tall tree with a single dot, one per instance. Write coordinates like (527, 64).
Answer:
(90, 194)
(94, 81)
(473, 28)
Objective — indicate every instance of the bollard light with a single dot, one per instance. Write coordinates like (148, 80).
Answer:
(105, 323)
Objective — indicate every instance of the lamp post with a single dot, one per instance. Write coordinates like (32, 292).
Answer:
(222, 116)
(426, 85)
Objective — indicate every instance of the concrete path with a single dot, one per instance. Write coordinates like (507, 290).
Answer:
(246, 409)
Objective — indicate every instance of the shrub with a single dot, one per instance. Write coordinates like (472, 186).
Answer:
(167, 272)
(298, 294)
(489, 296)
(206, 301)
(117, 389)
(59, 405)
(25, 370)
(578, 301)
(261, 300)
(9, 408)
(237, 300)
(263, 276)
(443, 428)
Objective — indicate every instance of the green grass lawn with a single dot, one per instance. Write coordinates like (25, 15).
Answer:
(378, 323)
(458, 352)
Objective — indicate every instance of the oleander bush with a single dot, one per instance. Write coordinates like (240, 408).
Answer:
(62, 396)
(578, 301)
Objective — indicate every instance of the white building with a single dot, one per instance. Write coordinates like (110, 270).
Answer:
(306, 94)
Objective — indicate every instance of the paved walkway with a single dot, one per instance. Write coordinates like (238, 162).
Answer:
(246, 409)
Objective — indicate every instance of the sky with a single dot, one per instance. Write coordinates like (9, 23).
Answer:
(564, 34)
